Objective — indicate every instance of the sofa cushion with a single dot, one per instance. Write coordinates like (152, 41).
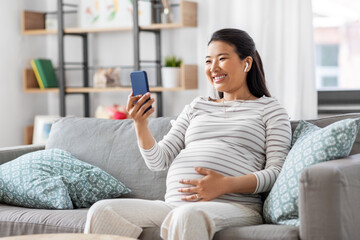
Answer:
(325, 121)
(54, 179)
(313, 145)
(263, 232)
(112, 146)
(24, 221)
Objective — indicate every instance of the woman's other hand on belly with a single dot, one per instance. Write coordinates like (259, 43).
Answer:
(211, 186)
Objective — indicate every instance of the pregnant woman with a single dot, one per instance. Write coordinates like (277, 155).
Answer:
(220, 153)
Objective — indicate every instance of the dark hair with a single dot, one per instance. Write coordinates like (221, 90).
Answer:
(244, 46)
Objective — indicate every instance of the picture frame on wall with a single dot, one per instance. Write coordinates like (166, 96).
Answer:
(112, 13)
(42, 128)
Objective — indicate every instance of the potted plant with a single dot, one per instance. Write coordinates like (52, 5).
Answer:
(171, 72)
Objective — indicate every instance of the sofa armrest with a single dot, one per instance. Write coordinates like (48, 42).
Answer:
(329, 206)
(10, 153)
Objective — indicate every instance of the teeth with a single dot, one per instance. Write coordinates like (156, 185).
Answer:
(219, 77)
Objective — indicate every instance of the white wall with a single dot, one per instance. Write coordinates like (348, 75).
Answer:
(17, 108)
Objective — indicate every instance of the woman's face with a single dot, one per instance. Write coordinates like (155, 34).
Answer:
(225, 70)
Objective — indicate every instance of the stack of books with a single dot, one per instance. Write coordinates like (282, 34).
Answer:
(45, 73)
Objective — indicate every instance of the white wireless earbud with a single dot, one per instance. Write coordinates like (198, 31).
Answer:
(247, 64)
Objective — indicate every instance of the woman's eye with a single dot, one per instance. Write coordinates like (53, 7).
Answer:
(222, 59)
(207, 61)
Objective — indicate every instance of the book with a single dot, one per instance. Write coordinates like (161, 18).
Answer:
(46, 72)
(37, 75)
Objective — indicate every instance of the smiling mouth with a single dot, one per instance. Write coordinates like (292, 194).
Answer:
(219, 78)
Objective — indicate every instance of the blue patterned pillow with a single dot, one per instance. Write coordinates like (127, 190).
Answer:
(312, 145)
(54, 179)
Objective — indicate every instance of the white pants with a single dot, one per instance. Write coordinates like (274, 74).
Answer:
(200, 220)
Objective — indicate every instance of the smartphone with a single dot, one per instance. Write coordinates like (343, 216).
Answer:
(140, 84)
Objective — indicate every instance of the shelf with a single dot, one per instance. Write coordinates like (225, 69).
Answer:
(39, 32)
(33, 23)
(188, 81)
(159, 26)
(114, 89)
(100, 90)
(97, 30)
(103, 30)
(31, 85)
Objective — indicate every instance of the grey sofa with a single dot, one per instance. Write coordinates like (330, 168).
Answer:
(329, 192)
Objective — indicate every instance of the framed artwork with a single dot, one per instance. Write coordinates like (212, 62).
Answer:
(42, 127)
(112, 13)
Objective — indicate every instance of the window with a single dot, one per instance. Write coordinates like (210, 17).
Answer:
(337, 54)
(327, 67)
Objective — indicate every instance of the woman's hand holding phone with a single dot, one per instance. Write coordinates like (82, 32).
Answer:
(138, 107)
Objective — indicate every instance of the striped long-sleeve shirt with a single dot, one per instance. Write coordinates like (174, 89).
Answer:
(233, 138)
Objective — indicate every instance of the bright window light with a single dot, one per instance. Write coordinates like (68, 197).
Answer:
(337, 44)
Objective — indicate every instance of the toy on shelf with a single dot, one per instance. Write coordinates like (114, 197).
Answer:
(111, 112)
(109, 77)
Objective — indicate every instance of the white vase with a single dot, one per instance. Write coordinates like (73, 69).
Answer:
(171, 77)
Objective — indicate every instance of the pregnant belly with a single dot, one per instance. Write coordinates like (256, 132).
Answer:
(175, 174)
(184, 164)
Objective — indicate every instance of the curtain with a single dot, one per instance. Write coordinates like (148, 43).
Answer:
(283, 33)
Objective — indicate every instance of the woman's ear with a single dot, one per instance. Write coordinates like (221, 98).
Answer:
(248, 63)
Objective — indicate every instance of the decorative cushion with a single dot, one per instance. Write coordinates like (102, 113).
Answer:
(54, 179)
(311, 145)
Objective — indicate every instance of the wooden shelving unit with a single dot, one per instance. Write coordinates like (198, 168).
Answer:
(97, 30)
(33, 23)
(188, 82)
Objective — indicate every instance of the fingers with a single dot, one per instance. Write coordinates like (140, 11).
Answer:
(137, 110)
(193, 182)
(187, 190)
(203, 171)
(193, 192)
(192, 197)
(149, 112)
(140, 100)
(143, 108)
(145, 104)
(130, 102)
